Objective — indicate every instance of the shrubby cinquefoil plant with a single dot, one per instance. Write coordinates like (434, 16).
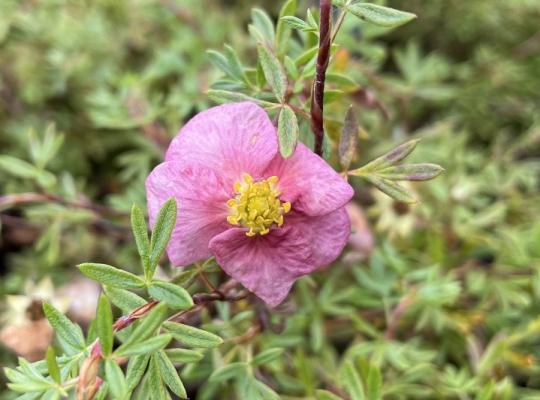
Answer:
(239, 191)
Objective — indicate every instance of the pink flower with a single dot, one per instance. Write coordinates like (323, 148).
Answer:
(267, 220)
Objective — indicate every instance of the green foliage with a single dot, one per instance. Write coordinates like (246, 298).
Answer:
(445, 306)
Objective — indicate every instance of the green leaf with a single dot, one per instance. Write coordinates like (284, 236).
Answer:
(116, 380)
(225, 96)
(374, 384)
(155, 380)
(411, 172)
(104, 321)
(52, 365)
(390, 188)
(170, 375)
(290, 66)
(124, 299)
(273, 72)
(311, 19)
(298, 23)
(147, 327)
(148, 346)
(263, 24)
(348, 140)
(228, 371)
(174, 295)
(283, 32)
(109, 275)
(234, 64)
(23, 169)
(140, 232)
(379, 15)
(135, 370)
(387, 160)
(287, 131)
(191, 336)
(69, 333)
(184, 356)
(18, 167)
(264, 391)
(229, 63)
(326, 395)
(161, 233)
(267, 356)
(352, 381)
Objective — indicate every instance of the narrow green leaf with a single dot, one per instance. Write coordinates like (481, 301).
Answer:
(273, 72)
(124, 299)
(115, 378)
(170, 375)
(29, 386)
(326, 395)
(109, 275)
(161, 233)
(191, 336)
(312, 20)
(140, 232)
(234, 64)
(287, 131)
(18, 167)
(290, 66)
(265, 392)
(348, 140)
(104, 321)
(148, 346)
(298, 23)
(52, 365)
(228, 371)
(69, 333)
(147, 327)
(411, 172)
(353, 382)
(135, 370)
(51, 394)
(155, 381)
(220, 62)
(390, 188)
(374, 384)
(183, 356)
(379, 15)
(225, 96)
(340, 3)
(174, 295)
(387, 160)
(267, 356)
(102, 392)
(283, 32)
(229, 63)
(263, 23)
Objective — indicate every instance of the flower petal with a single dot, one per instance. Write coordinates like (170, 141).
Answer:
(201, 197)
(266, 265)
(231, 138)
(328, 234)
(309, 183)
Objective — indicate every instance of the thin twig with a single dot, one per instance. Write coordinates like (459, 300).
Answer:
(339, 21)
(205, 279)
(395, 317)
(323, 57)
(13, 200)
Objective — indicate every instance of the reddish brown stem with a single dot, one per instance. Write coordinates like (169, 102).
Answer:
(323, 57)
(396, 315)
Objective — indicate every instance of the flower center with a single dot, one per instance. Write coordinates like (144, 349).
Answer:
(256, 205)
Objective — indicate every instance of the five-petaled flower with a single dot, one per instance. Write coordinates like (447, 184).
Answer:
(266, 219)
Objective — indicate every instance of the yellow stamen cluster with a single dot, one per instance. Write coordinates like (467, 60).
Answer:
(256, 205)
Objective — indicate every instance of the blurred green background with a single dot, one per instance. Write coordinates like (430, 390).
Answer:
(446, 303)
